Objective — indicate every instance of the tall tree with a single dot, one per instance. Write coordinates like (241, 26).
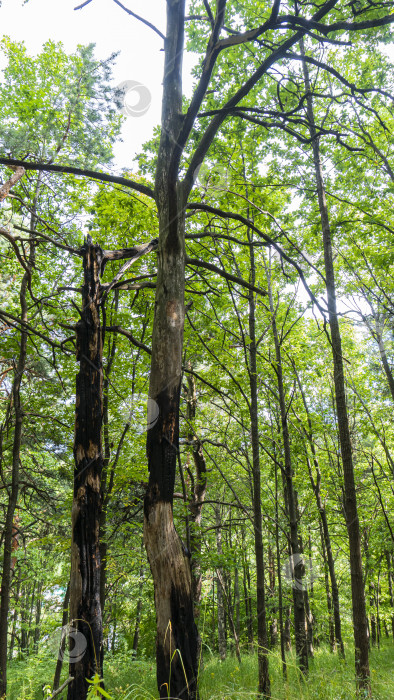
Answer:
(350, 503)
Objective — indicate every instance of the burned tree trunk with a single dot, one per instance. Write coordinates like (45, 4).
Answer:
(177, 636)
(85, 607)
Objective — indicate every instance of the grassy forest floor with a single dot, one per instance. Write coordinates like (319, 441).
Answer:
(329, 677)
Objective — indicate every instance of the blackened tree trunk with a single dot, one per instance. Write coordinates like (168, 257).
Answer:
(360, 626)
(85, 607)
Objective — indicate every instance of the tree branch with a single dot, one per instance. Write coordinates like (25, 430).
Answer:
(93, 174)
(5, 189)
(197, 206)
(232, 278)
(141, 19)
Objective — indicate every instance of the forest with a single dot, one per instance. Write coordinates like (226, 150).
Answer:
(196, 363)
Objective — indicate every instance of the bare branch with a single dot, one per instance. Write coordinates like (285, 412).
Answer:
(93, 174)
(141, 19)
(232, 278)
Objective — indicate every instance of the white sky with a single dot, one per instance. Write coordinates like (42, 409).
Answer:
(104, 23)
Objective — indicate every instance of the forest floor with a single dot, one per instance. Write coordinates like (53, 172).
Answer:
(330, 678)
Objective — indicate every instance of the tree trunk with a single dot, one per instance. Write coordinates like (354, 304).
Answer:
(331, 632)
(280, 591)
(350, 504)
(316, 483)
(264, 690)
(248, 597)
(237, 603)
(296, 562)
(138, 614)
(198, 491)
(14, 490)
(391, 587)
(15, 616)
(220, 592)
(36, 635)
(85, 608)
(59, 663)
(177, 671)
(287, 635)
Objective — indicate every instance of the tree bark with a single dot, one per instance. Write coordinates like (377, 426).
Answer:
(138, 614)
(85, 607)
(16, 447)
(391, 587)
(59, 663)
(280, 590)
(222, 645)
(296, 563)
(264, 690)
(350, 505)
(331, 631)
(198, 491)
(177, 636)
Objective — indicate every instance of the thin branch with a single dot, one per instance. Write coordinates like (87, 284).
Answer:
(247, 222)
(232, 278)
(141, 19)
(79, 7)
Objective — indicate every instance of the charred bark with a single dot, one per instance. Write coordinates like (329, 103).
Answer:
(85, 607)
(177, 671)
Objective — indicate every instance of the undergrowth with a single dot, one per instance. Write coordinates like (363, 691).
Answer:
(329, 678)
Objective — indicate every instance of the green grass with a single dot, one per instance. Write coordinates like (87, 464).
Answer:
(330, 678)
